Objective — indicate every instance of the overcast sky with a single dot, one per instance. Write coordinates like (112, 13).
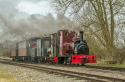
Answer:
(27, 6)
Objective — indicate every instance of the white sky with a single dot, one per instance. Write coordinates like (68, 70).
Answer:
(42, 7)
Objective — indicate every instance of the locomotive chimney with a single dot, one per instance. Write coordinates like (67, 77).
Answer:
(81, 35)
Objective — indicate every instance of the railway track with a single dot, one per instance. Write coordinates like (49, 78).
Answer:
(87, 66)
(92, 77)
(97, 67)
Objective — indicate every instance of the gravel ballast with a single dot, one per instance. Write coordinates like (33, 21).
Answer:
(108, 73)
(30, 75)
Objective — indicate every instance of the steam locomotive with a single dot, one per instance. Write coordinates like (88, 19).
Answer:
(62, 47)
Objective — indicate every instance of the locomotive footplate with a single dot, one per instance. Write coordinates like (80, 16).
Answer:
(83, 59)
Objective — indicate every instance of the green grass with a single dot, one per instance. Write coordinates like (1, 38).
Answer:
(109, 65)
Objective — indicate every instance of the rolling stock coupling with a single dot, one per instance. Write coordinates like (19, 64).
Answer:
(62, 47)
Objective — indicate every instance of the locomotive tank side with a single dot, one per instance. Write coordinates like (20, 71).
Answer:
(65, 45)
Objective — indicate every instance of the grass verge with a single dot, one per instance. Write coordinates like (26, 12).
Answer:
(6, 77)
(109, 65)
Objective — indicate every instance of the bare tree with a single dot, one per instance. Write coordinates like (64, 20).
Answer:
(98, 17)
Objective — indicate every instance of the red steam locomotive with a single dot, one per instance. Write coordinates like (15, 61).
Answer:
(62, 47)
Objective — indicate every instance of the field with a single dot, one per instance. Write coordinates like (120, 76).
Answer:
(6, 77)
